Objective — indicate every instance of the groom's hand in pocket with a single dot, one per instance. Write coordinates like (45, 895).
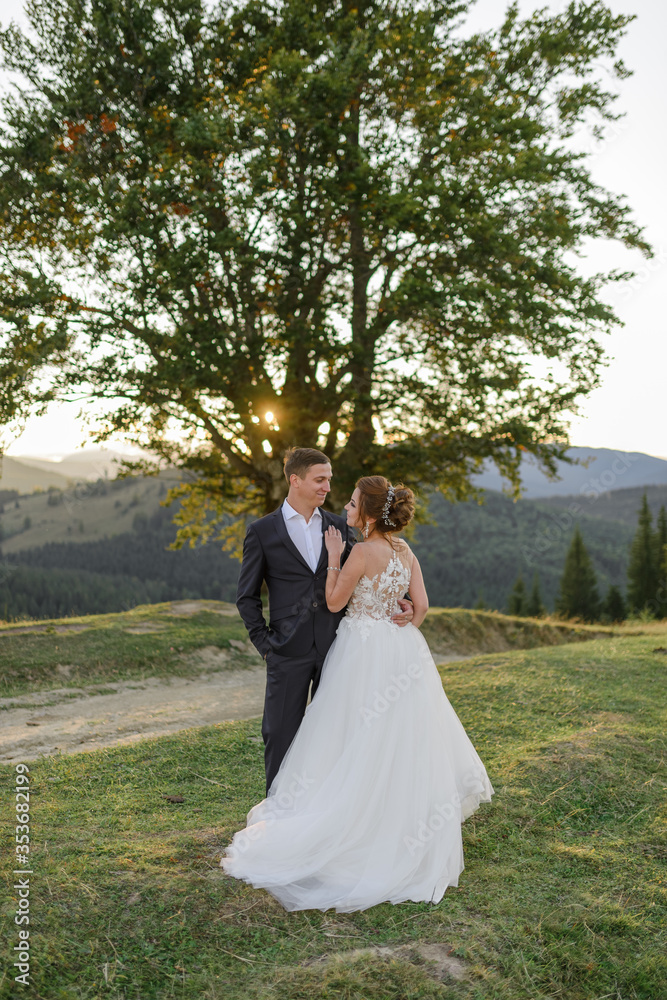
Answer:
(407, 612)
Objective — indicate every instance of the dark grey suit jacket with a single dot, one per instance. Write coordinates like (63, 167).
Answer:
(298, 613)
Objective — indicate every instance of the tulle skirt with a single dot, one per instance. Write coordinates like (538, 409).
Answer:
(368, 803)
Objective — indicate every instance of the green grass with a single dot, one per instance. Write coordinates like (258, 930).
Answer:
(465, 630)
(562, 896)
(105, 651)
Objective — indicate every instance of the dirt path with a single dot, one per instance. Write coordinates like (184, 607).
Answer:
(71, 720)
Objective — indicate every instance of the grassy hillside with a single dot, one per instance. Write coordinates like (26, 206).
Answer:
(460, 630)
(157, 640)
(148, 641)
(83, 512)
(563, 892)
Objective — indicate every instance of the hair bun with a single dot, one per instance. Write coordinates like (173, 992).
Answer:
(402, 508)
(392, 507)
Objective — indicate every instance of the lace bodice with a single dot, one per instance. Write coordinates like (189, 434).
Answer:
(375, 598)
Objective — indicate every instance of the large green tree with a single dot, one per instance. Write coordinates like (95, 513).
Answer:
(244, 226)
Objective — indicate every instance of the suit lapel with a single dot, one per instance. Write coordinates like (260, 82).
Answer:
(326, 521)
(283, 535)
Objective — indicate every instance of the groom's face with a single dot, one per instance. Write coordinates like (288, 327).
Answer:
(315, 485)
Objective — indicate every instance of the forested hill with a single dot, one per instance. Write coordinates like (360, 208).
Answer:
(471, 551)
(476, 552)
(614, 505)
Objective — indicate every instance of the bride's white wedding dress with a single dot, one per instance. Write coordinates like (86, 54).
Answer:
(368, 803)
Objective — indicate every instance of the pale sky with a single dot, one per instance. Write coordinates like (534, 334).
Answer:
(628, 411)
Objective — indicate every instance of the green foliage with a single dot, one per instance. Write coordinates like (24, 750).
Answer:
(140, 521)
(349, 217)
(480, 604)
(89, 577)
(661, 528)
(522, 603)
(27, 592)
(578, 596)
(644, 617)
(472, 546)
(533, 606)
(662, 588)
(516, 605)
(643, 565)
(661, 557)
(613, 607)
(617, 504)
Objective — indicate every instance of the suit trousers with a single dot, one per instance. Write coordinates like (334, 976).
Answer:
(288, 679)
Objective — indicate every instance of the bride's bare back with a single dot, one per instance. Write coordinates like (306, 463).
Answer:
(368, 561)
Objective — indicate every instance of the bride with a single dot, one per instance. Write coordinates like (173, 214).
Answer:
(368, 803)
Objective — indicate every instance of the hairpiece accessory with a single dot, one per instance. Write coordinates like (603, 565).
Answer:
(391, 493)
(366, 528)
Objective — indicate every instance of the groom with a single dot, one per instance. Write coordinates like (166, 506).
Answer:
(286, 549)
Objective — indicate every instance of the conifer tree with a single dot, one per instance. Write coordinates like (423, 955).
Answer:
(578, 597)
(534, 606)
(662, 589)
(480, 604)
(661, 561)
(661, 531)
(516, 604)
(643, 567)
(613, 607)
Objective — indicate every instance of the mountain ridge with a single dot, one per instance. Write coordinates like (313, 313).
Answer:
(606, 470)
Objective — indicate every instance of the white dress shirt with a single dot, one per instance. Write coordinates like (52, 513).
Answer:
(306, 535)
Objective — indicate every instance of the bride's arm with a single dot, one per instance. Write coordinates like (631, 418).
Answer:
(341, 582)
(418, 593)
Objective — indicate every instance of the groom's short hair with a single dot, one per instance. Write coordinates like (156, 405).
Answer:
(299, 460)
